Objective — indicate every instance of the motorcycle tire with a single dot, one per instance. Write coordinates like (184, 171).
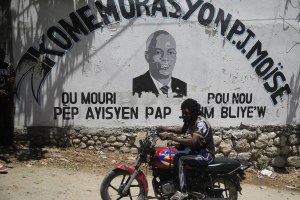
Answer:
(113, 183)
(230, 187)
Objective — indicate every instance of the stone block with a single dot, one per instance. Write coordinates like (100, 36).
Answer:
(263, 162)
(121, 138)
(263, 138)
(256, 153)
(252, 135)
(270, 143)
(106, 144)
(102, 139)
(82, 145)
(84, 131)
(71, 132)
(225, 148)
(244, 156)
(227, 134)
(95, 138)
(111, 139)
(278, 161)
(272, 135)
(134, 150)
(238, 134)
(276, 141)
(260, 145)
(77, 128)
(296, 150)
(127, 145)
(218, 133)
(124, 149)
(272, 151)
(217, 140)
(294, 139)
(90, 142)
(219, 155)
(76, 141)
(117, 144)
(242, 145)
(233, 154)
(294, 161)
(111, 149)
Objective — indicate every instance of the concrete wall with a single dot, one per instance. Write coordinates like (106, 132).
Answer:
(216, 44)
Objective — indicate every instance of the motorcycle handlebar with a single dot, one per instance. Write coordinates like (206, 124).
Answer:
(157, 132)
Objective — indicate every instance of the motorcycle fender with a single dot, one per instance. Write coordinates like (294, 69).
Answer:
(237, 183)
(141, 176)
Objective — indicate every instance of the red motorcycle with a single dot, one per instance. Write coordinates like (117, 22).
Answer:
(218, 180)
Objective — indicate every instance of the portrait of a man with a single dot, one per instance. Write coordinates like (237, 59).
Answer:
(160, 55)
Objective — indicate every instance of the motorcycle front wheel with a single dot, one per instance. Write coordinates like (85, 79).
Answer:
(114, 183)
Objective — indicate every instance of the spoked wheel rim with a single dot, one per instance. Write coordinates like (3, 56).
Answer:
(229, 189)
(115, 182)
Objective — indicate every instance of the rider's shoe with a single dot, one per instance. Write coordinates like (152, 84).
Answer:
(179, 196)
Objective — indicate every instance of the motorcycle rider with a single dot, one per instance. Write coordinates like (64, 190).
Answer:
(200, 146)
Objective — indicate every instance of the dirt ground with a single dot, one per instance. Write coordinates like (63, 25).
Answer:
(57, 173)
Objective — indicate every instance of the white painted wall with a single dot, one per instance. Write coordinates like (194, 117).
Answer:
(108, 59)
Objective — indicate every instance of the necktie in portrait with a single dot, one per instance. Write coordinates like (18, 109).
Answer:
(165, 89)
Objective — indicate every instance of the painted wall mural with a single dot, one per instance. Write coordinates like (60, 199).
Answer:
(160, 54)
(131, 63)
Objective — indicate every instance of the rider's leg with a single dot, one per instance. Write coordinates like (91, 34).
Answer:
(199, 159)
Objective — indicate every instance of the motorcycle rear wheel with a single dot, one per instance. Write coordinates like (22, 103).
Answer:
(113, 184)
(230, 190)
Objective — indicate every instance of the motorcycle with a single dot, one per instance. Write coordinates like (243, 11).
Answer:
(218, 180)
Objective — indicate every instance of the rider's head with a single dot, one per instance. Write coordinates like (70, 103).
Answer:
(190, 109)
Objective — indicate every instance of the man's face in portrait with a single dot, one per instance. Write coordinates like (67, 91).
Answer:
(161, 56)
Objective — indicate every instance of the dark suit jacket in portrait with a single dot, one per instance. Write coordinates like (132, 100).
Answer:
(144, 83)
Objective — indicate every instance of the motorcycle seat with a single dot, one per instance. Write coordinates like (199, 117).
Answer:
(223, 165)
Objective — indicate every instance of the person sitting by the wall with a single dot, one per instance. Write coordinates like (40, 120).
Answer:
(6, 101)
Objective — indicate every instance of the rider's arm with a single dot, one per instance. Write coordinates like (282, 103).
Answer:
(192, 141)
(198, 135)
(177, 130)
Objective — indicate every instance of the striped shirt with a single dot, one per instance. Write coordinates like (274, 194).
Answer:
(203, 128)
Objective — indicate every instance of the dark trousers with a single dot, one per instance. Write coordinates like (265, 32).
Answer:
(188, 157)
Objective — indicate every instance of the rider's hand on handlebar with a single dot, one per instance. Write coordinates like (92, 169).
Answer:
(162, 129)
(166, 137)
(159, 131)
